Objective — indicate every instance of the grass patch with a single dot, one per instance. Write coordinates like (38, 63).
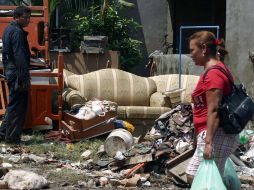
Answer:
(66, 175)
(37, 145)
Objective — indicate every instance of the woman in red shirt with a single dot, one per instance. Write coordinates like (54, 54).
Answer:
(210, 137)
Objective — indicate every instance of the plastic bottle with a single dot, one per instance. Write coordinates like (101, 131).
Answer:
(243, 138)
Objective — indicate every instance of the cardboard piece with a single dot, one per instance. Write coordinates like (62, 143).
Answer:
(178, 165)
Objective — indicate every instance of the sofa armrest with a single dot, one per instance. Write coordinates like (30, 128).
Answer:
(72, 97)
(157, 99)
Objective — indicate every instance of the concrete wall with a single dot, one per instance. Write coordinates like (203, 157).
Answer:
(81, 63)
(154, 19)
(240, 39)
(153, 15)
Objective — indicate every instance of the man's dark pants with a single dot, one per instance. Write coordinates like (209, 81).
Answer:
(14, 117)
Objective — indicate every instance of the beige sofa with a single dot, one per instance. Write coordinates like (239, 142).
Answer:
(138, 98)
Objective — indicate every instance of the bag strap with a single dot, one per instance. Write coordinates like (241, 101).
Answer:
(229, 76)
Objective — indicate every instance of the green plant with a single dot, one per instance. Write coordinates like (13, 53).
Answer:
(77, 6)
(117, 28)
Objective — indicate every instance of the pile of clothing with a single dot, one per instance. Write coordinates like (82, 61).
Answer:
(92, 108)
(176, 127)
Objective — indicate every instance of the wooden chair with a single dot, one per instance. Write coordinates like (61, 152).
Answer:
(4, 96)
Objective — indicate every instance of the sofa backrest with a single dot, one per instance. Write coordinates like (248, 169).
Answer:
(66, 74)
(115, 85)
(171, 81)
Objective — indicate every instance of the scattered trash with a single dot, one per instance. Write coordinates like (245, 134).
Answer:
(3, 185)
(86, 155)
(69, 146)
(120, 124)
(33, 158)
(118, 140)
(6, 165)
(119, 156)
(182, 146)
(3, 149)
(101, 150)
(14, 159)
(165, 149)
(20, 179)
(3, 171)
(146, 184)
(103, 181)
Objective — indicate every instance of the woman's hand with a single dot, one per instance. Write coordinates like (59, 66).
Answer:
(208, 151)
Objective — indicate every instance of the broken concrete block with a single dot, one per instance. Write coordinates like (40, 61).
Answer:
(33, 158)
(87, 154)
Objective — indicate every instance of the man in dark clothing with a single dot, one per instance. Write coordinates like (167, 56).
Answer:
(16, 58)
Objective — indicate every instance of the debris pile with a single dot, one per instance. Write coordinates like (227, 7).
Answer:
(125, 161)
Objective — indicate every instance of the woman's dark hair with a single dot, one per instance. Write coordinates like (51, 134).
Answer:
(222, 50)
(208, 38)
(19, 11)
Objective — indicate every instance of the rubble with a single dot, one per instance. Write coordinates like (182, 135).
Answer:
(160, 157)
(32, 158)
(3, 184)
(19, 179)
(86, 155)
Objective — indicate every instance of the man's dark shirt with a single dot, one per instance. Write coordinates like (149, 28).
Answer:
(16, 53)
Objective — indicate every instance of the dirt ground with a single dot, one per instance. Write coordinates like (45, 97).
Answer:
(59, 167)
(62, 167)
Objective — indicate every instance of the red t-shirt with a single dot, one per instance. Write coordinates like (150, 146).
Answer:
(214, 79)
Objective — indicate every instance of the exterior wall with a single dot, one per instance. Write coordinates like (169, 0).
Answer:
(153, 15)
(154, 19)
(240, 39)
(81, 63)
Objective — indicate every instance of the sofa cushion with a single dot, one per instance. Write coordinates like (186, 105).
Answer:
(141, 112)
(157, 99)
(115, 85)
(121, 112)
(170, 82)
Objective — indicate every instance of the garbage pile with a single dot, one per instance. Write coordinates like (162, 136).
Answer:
(170, 137)
(244, 155)
(125, 161)
(175, 128)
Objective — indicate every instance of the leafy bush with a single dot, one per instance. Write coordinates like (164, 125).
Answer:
(117, 28)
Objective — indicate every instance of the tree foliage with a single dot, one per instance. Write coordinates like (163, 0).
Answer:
(117, 28)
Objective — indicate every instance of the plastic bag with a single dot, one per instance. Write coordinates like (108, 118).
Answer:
(208, 177)
(230, 177)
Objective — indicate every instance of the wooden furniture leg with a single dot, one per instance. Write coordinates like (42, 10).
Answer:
(4, 96)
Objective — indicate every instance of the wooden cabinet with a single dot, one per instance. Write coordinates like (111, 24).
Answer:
(40, 98)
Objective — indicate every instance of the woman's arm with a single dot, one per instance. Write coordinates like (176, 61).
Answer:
(213, 99)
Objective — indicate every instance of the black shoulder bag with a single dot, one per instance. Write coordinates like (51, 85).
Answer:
(235, 109)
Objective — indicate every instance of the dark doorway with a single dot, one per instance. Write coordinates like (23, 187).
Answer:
(193, 13)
